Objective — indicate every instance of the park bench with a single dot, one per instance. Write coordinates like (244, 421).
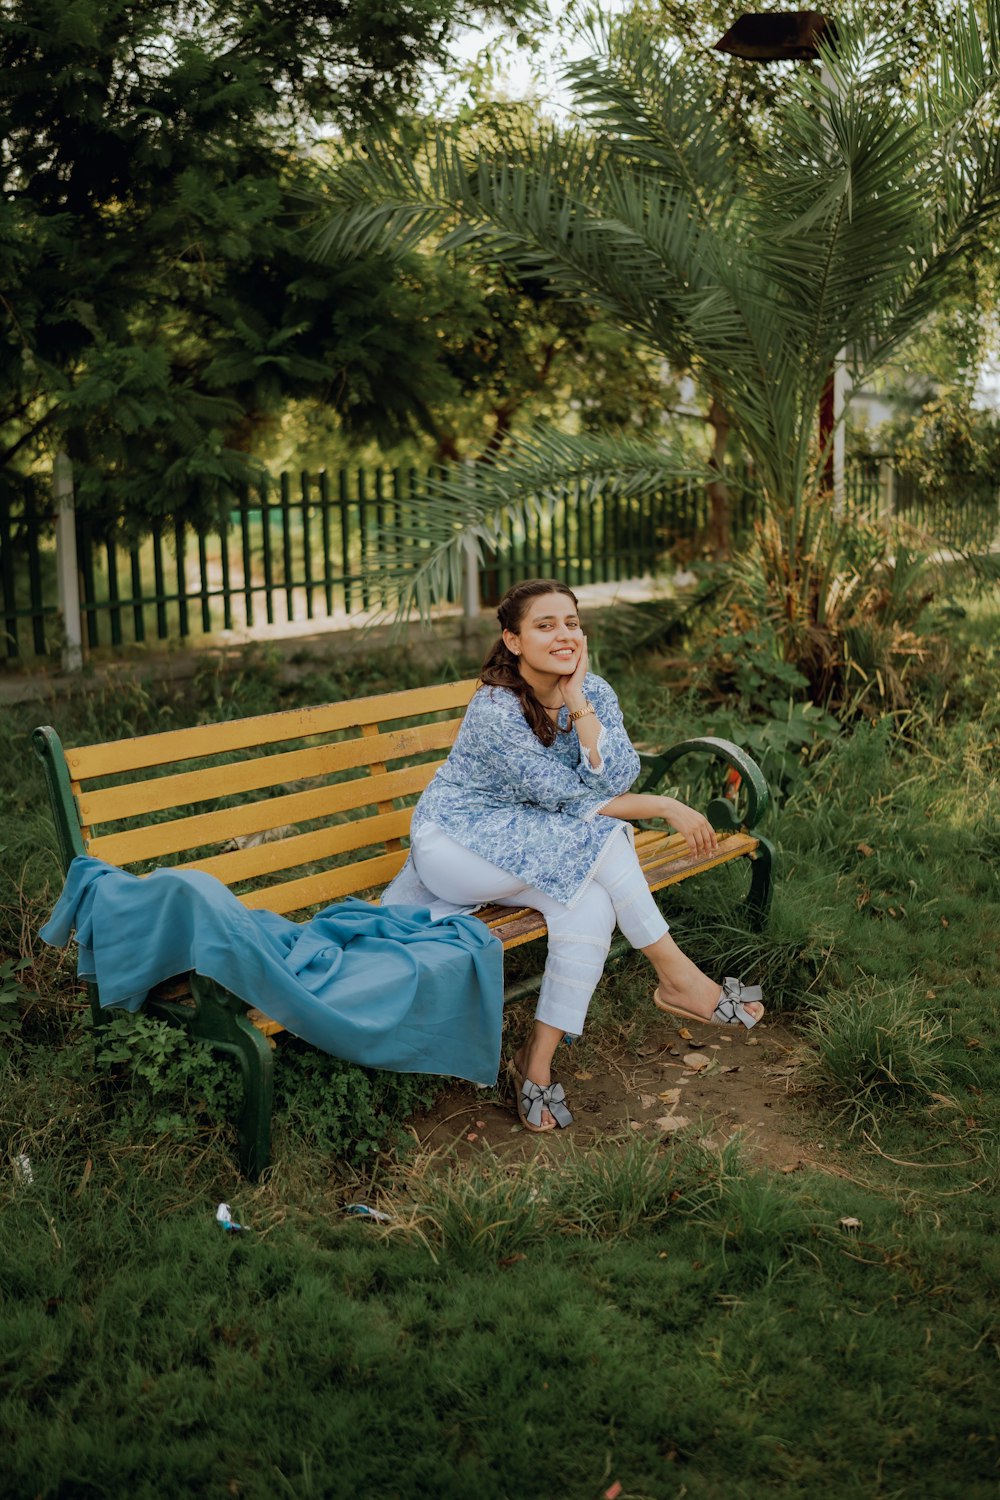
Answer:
(296, 809)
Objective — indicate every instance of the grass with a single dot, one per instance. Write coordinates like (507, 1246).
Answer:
(665, 1317)
(738, 1341)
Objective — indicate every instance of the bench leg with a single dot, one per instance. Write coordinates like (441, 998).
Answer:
(229, 1031)
(762, 863)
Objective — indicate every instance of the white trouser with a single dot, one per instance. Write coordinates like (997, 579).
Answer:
(579, 936)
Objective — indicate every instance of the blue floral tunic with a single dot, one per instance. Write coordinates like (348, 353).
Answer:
(529, 808)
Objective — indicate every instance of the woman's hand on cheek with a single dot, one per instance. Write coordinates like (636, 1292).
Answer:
(572, 683)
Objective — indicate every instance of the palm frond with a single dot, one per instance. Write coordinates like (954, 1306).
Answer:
(868, 198)
(423, 555)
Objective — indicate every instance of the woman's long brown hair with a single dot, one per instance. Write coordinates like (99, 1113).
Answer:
(500, 668)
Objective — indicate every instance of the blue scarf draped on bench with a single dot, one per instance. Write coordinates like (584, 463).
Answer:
(384, 986)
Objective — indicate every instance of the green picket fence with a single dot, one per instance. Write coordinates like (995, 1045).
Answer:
(303, 548)
(27, 571)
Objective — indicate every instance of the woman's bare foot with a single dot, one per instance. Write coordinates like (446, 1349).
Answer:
(683, 987)
(533, 1061)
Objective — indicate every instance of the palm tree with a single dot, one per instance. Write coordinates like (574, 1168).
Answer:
(848, 233)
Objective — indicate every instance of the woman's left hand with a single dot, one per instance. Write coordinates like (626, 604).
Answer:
(698, 832)
(571, 686)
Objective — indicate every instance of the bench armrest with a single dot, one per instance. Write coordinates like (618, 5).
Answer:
(48, 748)
(720, 811)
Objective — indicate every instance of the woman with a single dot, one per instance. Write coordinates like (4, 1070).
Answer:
(532, 808)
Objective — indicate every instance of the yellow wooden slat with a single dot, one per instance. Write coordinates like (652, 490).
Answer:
(303, 848)
(330, 885)
(264, 1023)
(671, 870)
(87, 761)
(369, 731)
(111, 804)
(204, 829)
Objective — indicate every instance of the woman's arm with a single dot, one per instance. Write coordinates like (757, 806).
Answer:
(588, 727)
(697, 830)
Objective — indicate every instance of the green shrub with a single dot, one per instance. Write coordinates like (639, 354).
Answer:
(336, 1107)
(157, 1079)
(875, 1050)
(12, 995)
(160, 1080)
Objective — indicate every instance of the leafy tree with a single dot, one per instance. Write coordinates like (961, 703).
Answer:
(155, 301)
(854, 225)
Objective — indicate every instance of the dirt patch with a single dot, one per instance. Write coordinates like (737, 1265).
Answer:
(717, 1080)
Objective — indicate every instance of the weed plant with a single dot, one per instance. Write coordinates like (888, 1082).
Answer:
(874, 1050)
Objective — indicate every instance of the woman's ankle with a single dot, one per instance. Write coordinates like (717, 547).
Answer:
(534, 1058)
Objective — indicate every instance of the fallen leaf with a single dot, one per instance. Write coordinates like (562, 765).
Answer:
(583, 1076)
(930, 995)
(670, 1096)
(472, 1136)
(512, 1260)
(648, 1100)
(696, 1061)
(635, 1124)
(866, 850)
(792, 1167)
(945, 922)
(613, 1491)
(669, 1123)
(734, 1069)
(481, 1124)
(683, 1033)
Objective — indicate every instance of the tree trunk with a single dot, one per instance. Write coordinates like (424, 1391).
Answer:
(718, 491)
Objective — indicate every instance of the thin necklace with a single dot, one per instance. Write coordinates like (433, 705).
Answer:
(557, 707)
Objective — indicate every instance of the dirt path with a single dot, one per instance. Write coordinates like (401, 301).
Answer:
(707, 1077)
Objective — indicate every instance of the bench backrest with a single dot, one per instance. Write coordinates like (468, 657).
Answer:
(315, 802)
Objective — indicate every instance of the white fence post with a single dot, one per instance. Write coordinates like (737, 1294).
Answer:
(67, 572)
(470, 593)
(471, 599)
(887, 489)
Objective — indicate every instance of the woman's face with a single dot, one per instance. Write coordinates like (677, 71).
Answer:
(549, 638)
